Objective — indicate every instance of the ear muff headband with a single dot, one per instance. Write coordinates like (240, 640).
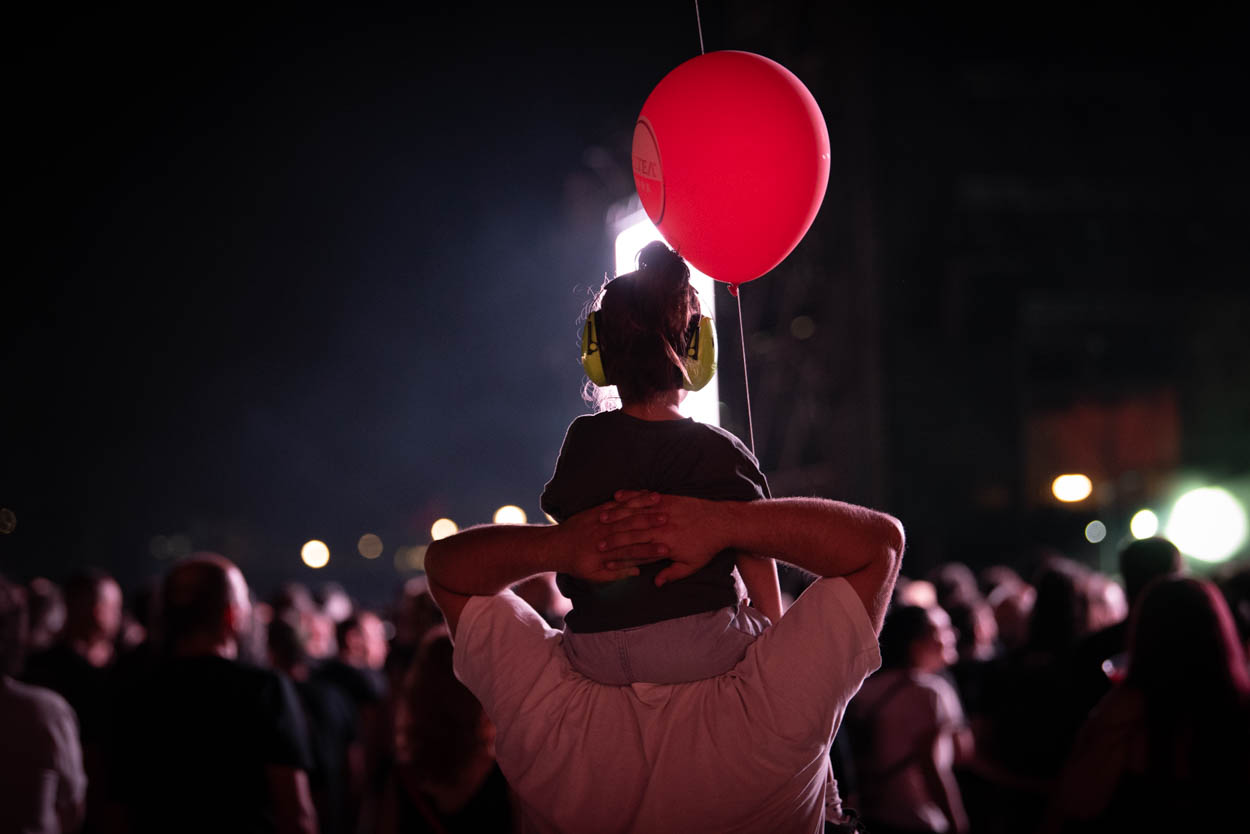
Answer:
(700, 353)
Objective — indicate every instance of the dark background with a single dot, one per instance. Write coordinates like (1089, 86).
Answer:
(282, 277)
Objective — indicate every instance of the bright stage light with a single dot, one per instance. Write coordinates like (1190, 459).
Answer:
(443, 528)
(510, 514)
(704, 405)
(1095, 531)
(370, 546)
(1071, 488)
(315, 554)
(1208, 524)
(1144, 524)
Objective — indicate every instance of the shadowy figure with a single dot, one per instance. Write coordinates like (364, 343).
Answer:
(907, 728)
(446, 778)
(42, 784)
(1169, 748)
(205, 742)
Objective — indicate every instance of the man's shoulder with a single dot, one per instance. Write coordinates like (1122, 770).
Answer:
(31, 700)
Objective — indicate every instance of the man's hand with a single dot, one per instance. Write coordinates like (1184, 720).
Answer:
(610, 541)
(647, 527)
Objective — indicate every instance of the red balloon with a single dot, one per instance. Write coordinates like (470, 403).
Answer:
(731, 161)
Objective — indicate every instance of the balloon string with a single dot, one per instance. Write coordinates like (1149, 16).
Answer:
(742, 340)
(699, 22)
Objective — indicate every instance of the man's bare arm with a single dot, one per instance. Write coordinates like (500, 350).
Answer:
(486, 560)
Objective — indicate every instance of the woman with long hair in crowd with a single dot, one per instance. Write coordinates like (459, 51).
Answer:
(1169, 748)
(445, 776)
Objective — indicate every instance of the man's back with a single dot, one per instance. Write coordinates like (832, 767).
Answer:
(42, 784)
(194, 738)
(746, 752)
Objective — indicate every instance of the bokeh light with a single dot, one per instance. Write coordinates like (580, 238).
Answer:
(1095, 531)
(1208, 524)
(1071, 488)
(510, 514)
(802, 328)
(443, 528)
(410, 558)
(1143, 524)
(315, 554)
(370, 546)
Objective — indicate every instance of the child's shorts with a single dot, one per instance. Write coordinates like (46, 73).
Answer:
(670, 651)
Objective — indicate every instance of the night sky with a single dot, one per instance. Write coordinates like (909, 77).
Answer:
(289, 278)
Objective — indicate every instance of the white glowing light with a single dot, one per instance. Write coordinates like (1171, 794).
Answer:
(1095, 531)
(1071, 488)
(703, 406)
(1144, 524)
(315, 554)
(1207, 524)
(370, 546)
(510, 514)
(443, 528)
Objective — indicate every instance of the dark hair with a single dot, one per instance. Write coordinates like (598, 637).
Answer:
(1185, 659)
(446, 722)
(904, 625)
(645, 317)
(1145, 559)
(1060, 615)
(288, 645)
(12, 626)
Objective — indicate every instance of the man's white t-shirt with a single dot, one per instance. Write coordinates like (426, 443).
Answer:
(744, 752)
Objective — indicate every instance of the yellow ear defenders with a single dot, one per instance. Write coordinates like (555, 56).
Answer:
(700, 358)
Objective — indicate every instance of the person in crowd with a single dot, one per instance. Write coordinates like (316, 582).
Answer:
(356, 671)
(1100, 655)
(907, 729)
(75, 665)
(1169, 748)
(334, 601)
(918, 592)
(331, 721)
(976, 643)
(746, 751)
(46, 614)
(1031, 715)
(78, 665)
(953, 581)
(446, 779)
(203, 741)
(652, 627)
(1011, 599)
(43, 787)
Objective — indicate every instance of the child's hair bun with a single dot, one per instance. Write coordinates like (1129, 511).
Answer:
(657, 259)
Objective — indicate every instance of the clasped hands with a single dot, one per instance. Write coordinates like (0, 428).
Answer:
(637, 527)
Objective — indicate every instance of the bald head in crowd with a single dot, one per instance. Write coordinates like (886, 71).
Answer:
(205, 606)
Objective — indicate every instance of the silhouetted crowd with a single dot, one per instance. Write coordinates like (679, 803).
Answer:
(1064, 701)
